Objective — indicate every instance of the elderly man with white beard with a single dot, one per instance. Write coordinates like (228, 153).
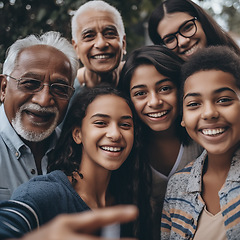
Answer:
(36, 85)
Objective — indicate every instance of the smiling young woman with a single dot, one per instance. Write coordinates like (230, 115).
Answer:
(94, 165)
(173, 21)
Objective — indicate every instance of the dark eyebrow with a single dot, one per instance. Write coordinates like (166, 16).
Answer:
(216, 91)
(224, 89)
(107, 116)
(170, 34)
(191, 95)
(126, 117)
(110, 27)
(157, 83)
(40, 77)
(33, 75)
(85, 31)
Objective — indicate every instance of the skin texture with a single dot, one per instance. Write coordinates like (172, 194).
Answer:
(211, 117)
(44, 63)
(83, 225)
(99, 46)
(106, 133)
(42, 112)
(186, 46)
(156, 96)
(106, 137)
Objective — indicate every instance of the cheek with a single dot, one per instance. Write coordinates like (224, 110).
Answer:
(189, 120)
(13, 101)
(129, 137)
(138, 107)
(175, 104)
(82, 50)
(172, 100)
(62, 108)
(201, 34)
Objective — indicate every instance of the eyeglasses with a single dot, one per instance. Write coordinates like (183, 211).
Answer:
(187, 29)
(31, 86)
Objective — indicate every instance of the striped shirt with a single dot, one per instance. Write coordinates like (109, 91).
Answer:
(183, 203)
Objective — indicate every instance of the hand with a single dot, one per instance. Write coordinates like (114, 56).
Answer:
(81, 226)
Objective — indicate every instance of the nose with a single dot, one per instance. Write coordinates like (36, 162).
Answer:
(43, 98)
(209, 112)
(183, 41)
(154, 100)
(114, 133)
(100, 41)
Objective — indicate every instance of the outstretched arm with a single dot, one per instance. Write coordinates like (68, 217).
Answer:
(82, 225)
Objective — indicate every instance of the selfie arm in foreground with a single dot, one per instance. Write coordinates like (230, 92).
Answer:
(82, 225)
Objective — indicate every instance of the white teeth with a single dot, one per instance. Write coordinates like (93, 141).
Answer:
(190, 51)
(111, 149)
(101, 56)
(213, 131)
(156, 115)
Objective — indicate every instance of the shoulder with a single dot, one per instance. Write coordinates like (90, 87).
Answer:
(39, 187)
(180, 179)
(190, 152)
(188, 177)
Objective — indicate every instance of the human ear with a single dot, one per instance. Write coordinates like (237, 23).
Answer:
(77, 136)
(124, 45)
(75, 45)
(3, 86)
(183, 124)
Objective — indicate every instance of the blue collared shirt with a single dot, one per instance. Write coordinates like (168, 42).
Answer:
(17, 164)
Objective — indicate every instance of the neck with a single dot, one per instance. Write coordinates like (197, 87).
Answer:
(166, 145)
(91, 79)
(219, 162)
(162, 136)
(93, 187)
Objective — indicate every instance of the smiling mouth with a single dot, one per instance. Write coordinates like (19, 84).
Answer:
(157, 115)
(213, 132)
(102, 56)
(112, 149)
(191, 50)
(42, 116)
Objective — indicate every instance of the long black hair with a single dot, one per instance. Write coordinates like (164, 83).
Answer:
(129, 184)
(214, 33)
(166, 63)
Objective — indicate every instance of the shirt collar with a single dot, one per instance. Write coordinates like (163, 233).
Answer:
(12, 139)
(195, 178)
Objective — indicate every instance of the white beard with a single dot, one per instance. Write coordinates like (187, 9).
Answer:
(32, 136)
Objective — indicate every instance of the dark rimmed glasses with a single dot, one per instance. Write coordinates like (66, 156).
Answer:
(187, 30)
(31, 86)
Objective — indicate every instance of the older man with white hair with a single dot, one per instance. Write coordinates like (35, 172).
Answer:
(36, 85)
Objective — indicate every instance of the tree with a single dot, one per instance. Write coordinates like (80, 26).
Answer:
(20, 18)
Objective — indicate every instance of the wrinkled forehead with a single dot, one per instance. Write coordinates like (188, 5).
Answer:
(93, 18)
(43, 58)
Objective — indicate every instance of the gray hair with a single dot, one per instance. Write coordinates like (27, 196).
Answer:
(52, 39)
(100, 6)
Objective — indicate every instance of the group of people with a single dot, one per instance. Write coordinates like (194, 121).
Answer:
(158, 133)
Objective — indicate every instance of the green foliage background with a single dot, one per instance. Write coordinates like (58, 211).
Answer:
(19, 18)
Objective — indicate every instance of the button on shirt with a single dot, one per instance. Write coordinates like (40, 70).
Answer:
(17, 164)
